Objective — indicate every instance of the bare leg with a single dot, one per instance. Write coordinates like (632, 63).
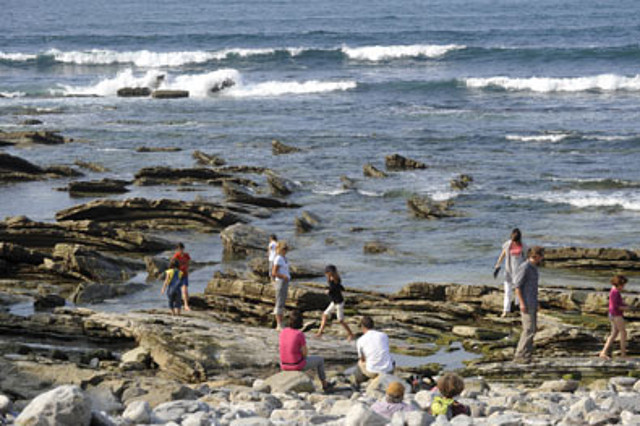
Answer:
(323, 324)
(185, 297)
(612, 338)
(278, 321)
(346, 327)
(623, 336)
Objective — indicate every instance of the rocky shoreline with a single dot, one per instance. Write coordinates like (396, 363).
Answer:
(218, 364)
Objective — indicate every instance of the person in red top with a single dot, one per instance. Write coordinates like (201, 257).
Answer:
(183, 259)
(616, 308)
(294, 354)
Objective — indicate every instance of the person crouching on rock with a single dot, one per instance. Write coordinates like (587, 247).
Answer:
(393, 401)
(374, 357)
(294, 354)
(337, 301)
(450, 385)
(172, 286)
(282, 277)
(183, 259)
(616, 312)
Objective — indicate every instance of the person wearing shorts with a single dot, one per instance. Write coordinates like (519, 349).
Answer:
(183, 259)
(337, 301)
(281, 276)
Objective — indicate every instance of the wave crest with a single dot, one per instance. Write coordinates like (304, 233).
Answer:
(381, 53)
(603, 82)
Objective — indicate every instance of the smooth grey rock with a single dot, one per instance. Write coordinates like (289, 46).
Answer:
(342, 407)
(296, 404)
(412, 418)
(505, 419)
(102, 399)
(62, 406)
(138, 355)
(628, 418)
(174, 411)
(583, 407)
(291, 415)
(424, 399)
(138, 412)
(560, 386)
(378, 386)
(361, 415)
(461, 420)
(601, 418)
(290, 381)
(251, 421)
(199, 419)
(622, 384)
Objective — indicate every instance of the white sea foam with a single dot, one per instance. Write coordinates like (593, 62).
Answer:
(370, 193)
(603, 82)
(13, 94)
(381, 53)
(443, 195)
(331, 192)
(17, 57)
(551, 137)
(628, 200)
(149, 59)
(279, 88)
(200, 85)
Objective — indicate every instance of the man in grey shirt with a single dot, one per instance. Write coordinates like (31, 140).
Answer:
(526, 284)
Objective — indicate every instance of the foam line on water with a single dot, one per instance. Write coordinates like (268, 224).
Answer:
(603, 83)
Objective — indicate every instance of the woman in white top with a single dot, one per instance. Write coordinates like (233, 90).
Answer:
(514, 252)
(282, 276)
(271, 251)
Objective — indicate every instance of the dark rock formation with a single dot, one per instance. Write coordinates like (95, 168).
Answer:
(49, 301)
(43, 137)
(306, 222)
(425, 207)
(132, 92)
(461, 182)
(93, 187)
(376, 247)
(224, 84)
(205, 159)
(170, 176)
(370, 170)
(278, 148)
(279, 185)
(92, 266)
(158, 149)
(347, 182)
(243, 169)
(141, 213)
(45, 236)
(17, 169)
(170, 94)
(32, 122)
(592, 258)
(398, 162)
(238, 194)
(63, 171)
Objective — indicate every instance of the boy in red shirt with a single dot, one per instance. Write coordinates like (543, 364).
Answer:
(183, 259)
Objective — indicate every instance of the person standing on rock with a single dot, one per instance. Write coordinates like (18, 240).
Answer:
(271, 251)
(337, 301)
(616, 316)
(526, 284)
(183, 259)
(514, 253)
(374, 356)
(282, 276)
(172, 286)
(294, 354)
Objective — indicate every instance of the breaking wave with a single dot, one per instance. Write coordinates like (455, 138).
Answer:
(382, 53)
(602, 83)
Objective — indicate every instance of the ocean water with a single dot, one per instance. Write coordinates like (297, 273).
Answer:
(538, 101)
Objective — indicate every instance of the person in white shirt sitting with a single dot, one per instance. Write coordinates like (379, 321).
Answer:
(374, 357)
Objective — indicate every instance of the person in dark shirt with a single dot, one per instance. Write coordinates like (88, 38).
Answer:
(337, 301)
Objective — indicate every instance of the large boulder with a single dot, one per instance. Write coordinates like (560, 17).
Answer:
(279, 185)
(14, 168)
(398, 162)
(170, 94)
(426, 208)
(138, 412)
(241, 240)
(62, 406)
(92, 265)
(361, 415)
(133, 92)
(290, 381)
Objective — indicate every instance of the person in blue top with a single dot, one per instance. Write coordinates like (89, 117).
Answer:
(173, 287)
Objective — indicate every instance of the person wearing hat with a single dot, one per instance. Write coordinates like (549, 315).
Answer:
(337, 301)
(392, 402)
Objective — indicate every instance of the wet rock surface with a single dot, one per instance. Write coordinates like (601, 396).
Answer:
(98, 187)
(43, 137)
(398, 162)
(16, 169)
(278, 148)
(592, 258)
(369, 170)
(205, 159)
(426, 208)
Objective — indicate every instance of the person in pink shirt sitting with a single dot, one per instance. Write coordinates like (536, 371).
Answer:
(294, 354)
(616, 309)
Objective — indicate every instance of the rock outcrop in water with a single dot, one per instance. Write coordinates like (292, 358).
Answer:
(170, 176)
(278, 148)
(140, 213)
(205, 159)
(170, 94)
(133, 92)
(239, 194)
(461, 182)
(16, 169)
(97, 187)
(592, 258)
(398, 162)
(306, 222)
(43, 137)
(426, 208)
(369, 170)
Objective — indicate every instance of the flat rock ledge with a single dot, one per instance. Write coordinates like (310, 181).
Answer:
(593, 258)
